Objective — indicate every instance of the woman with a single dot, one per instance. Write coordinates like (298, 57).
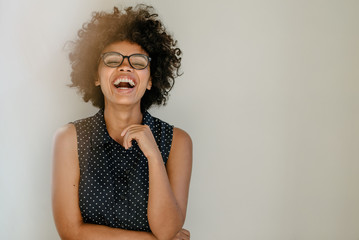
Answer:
(122, 174)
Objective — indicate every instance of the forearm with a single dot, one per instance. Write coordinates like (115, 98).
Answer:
(100, 232)
(164, 214)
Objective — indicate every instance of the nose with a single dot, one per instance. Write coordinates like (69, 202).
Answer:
(125, 66)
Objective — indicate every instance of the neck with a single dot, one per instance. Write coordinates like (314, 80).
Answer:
(117, 118)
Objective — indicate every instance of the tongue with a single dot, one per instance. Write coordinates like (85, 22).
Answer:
(124, 85)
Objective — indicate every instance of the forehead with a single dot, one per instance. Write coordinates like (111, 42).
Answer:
(124, 47)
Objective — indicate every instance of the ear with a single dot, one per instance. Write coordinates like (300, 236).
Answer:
(149, 84)
(97, 83)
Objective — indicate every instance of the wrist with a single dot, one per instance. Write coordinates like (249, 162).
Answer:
(155, 156)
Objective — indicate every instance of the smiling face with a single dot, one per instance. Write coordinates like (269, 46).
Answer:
(123, 85)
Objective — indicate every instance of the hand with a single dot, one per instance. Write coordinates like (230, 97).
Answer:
(183, 234)
(143, 136)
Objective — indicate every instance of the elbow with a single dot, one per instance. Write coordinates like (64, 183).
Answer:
(70, 233)
(65, 236)
(165, 236)
(69, 236)
(168, 231)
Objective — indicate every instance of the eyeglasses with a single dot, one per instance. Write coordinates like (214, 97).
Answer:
(115, 59)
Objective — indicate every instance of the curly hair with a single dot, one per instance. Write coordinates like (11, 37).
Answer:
(134, 24)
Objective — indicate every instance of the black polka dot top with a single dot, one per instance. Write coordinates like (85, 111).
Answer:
(113, 187)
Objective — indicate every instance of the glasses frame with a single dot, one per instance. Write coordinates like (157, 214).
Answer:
(123, 59)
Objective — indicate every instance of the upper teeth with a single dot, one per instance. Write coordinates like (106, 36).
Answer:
(120, 80)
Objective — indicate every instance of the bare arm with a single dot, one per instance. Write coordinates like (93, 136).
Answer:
(168, 186)
(65, 201)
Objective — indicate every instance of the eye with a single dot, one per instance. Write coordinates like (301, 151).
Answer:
(139, 61)
(112, 60)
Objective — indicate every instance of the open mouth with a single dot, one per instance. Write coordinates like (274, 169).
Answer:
(124, 83)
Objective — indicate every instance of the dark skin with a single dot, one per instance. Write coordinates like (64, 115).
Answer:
(168, 185)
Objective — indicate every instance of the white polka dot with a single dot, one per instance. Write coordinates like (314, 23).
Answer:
(113, 189)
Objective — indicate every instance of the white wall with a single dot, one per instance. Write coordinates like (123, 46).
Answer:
(270, 96)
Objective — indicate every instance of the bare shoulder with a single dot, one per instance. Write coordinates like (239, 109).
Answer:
(65, 136)
(65, 132)
(65, 144)
(181, 138)
(181, 149)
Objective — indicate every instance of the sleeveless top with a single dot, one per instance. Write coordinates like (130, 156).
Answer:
(113, 187)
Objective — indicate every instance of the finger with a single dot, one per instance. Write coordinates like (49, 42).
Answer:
(179, 237)
(130, 127)
(126, 129)
(127, 139)
(126, 133)
(182, 236)
(186, 232)
(133, 133)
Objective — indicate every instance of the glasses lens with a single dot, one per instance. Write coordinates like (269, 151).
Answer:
(112, 59)
(138, 61)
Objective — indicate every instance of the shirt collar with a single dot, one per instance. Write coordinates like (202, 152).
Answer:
(100, 134)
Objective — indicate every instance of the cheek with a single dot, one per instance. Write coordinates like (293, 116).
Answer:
(145, 75)
(103, 74)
